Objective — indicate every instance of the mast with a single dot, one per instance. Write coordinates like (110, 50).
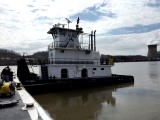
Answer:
(68, 21)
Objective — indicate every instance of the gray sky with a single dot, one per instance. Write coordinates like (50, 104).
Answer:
(124, 27)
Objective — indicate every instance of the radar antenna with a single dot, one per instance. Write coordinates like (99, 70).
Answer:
(59, 24)
(68, 21)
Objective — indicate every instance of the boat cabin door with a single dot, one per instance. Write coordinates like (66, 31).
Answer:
(84, 73)
(64, 73)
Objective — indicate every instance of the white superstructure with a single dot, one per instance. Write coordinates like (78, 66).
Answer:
(70, 57)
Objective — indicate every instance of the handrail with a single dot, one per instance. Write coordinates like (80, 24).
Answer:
(73, 61)
(61, 44)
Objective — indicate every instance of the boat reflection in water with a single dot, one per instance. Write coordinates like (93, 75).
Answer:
(87, 104)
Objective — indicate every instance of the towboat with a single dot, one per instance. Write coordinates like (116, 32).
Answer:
(72, 62)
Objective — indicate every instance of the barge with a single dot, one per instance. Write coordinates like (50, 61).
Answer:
(19, 105)
(72, 62)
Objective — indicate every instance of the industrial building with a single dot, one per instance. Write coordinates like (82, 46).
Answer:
(153, 54)
(152, 51)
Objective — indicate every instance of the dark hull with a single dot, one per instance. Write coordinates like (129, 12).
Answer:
(50, 85)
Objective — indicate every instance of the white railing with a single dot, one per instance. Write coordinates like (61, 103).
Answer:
(57, 44)
(73, 61)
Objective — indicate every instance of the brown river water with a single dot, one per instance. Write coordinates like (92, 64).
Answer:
(138, 101)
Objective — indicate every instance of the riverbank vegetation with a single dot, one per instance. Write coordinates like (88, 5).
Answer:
(10, 57)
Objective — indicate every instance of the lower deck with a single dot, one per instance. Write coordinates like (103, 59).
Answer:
(75, 71)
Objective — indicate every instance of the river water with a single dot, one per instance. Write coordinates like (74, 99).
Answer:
(138, 101)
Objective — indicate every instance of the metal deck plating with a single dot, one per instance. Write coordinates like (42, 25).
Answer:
(19, 111)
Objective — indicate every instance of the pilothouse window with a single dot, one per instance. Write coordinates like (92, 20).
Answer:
(62, 32)
(54, 35)
(75, 34)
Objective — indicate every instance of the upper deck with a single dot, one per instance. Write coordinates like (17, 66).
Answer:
(71, 38)
(81, 43)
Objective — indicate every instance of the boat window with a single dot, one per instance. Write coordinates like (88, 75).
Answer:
(75, 34)
(54, 35)
(102, 68)
(62, 32)
(94, 69)
(62, 51)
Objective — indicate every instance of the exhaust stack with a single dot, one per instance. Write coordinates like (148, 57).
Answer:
(95, 40)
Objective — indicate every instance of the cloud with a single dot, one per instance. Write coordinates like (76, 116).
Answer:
(154, 3)
(129, 44)
(153, 42)
(135, 29)
(94, 13)
(123, 27)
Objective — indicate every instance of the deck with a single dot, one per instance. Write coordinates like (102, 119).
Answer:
(16, 113)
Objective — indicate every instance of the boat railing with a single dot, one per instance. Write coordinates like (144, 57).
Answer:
(84, 46)
(73, 61)
(56, 44)
(64, 44)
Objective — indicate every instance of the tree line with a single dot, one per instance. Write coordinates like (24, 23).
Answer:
(10, 57)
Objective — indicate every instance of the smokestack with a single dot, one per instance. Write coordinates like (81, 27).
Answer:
(91, 40)
(152, 51)
(95, 40)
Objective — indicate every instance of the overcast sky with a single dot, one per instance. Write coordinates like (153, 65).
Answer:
(124, 27)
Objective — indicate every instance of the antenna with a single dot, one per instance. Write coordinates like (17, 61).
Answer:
(68, 21)
(59, 24)
(77, 26)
